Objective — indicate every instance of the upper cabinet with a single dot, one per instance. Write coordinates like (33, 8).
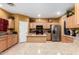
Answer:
(70, 22)
(11, 24)
(44, 22)
(77, 14)
(73, 20)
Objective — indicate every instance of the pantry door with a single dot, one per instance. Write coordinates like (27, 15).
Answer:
(23, 31)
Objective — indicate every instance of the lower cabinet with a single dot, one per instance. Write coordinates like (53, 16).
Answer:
(66, 39)
(49, 37)
(3, 44)
(12, 39)
(7, 41)
(15, 40)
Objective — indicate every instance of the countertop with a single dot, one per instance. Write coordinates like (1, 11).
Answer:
(5, 35)
(33, 34)
(69, 36)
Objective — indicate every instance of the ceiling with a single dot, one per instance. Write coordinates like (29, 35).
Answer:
(39, 10)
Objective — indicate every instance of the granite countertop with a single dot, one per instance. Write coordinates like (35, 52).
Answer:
(4, 34)
(33, 34)
(69, 36)
(2, 37)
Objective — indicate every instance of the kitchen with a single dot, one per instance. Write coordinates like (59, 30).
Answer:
(44, 25)
(38, 29)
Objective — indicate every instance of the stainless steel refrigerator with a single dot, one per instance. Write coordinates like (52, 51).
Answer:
(56, 33)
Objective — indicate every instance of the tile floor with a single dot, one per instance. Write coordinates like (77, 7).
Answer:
(49, 48)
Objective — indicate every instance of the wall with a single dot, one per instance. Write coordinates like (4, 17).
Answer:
(4, 14)
(18, 18)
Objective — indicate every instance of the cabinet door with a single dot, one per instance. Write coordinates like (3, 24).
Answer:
(68, 22)
(48, 37)
(15, 40)
(11, 23)
(10, 41)
(73, 21)
(3, 44)
(77, 13)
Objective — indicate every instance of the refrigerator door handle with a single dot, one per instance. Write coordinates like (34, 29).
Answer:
(53, 31)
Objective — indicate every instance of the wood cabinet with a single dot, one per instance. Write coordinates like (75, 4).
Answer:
(73, 21)
(70, 22)
(67, 39)
(3, 42)
(77, 14)
(9, 41)
(12, 39)
(11, 23)
(49, 37)
(45, 25)
(15, 39)
(6, 41)
(68, 25)
(44, 22)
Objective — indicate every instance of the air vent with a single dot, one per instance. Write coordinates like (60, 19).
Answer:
(11, 4)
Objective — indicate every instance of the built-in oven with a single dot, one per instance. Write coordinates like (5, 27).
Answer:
(39, 29)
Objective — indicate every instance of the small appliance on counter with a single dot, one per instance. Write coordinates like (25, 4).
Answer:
(73, 32)
(14, 32)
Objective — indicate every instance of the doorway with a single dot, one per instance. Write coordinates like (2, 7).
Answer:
(23, 31)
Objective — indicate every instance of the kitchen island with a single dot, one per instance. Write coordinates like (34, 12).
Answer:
(36, 38)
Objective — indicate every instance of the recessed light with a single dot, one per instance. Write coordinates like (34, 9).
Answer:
(38, 15)
(58, 13)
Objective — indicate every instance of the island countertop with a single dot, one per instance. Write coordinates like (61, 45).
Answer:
(33, 34)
